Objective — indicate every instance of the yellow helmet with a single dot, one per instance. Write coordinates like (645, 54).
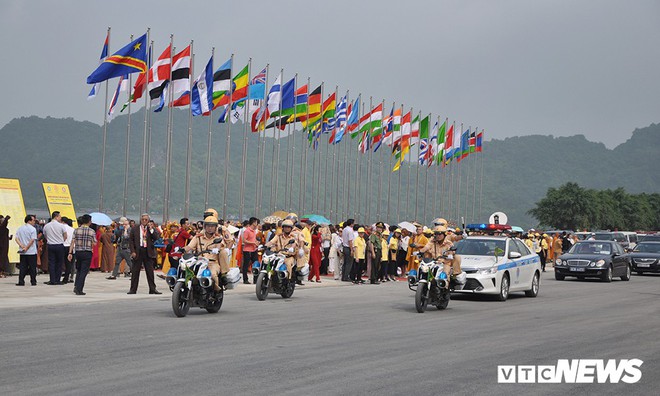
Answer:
(210, 212)
(292, 216)
(427, 230)
(361, 229)
(287, 223)
(440, 228)
(440, 221)
(386, 232)
(211, 220)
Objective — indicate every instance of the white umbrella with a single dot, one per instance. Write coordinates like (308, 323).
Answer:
(101, 219)
(408, 226)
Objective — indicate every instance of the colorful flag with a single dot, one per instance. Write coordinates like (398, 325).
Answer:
(313, 114)
(238, 91)
(222, 83)
(121, 87)
(181, 78)
(131, 58)
(287, 101)
(480, 138)
(405, 131)
(257, 88)
(433, 145)
(373, 119)
(473, 142)
(423, 151)
(159, 76)
(104, 54)
(464, 147)
(340, 122)
(202, 92)
(353, 117)
(414, 131)
(440, 151)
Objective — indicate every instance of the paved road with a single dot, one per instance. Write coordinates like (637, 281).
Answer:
(329, 340)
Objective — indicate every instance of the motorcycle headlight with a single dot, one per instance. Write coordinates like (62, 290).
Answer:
(487, 271)
(442, 275)
(172, 272)
(266, 259)
(206, 273)
(183, 264)
(423, 268)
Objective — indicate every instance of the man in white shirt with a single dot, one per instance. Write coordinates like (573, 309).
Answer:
(26, 238)
(55, 234)
(68, 264)
(347, 237)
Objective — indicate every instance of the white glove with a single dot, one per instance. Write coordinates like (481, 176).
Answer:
(301, 253)
(290, 250)
(176, 249)
(215, 250)
(228, 251)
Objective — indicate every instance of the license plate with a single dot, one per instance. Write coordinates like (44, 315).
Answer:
(577, 269)
(644, 265)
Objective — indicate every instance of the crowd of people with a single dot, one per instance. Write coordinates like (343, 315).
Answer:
(347, 251)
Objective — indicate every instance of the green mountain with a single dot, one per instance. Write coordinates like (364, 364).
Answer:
(516, 171)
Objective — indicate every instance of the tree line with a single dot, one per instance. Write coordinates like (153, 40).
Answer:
(571, 207)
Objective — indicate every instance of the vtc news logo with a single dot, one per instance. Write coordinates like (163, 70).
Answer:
(575, 371)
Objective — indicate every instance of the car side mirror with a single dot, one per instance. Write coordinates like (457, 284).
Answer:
(515, 255)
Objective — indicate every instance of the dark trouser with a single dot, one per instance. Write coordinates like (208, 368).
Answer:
(401, 260)
(142, 260)
(543, 257)
(325, 261)
(246, 265)
(391, 269)
(28, 265)
(68, 266)
(56, 255)
(125, 254)
(347, 267)
(356, 271)
(375, 266)
(83, 261)
(382, 274)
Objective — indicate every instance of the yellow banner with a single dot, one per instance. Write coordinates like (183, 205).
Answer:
(58, 199)
(11, 203)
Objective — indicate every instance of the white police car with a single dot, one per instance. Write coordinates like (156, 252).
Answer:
(498, 265)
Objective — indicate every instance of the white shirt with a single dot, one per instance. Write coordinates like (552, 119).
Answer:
(69, 235)
(24, 235)
(404, 242)
(347, 236)
(54, 232)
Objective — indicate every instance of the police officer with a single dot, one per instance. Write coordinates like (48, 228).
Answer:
(217, 257)
(438, 246)
(288, 244)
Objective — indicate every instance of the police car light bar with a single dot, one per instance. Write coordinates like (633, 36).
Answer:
(488, 227)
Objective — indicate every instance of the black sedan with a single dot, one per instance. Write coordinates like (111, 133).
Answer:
(646, 257)
(594, 259)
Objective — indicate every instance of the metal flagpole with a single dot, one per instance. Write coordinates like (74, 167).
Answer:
(260, 156)
(208, 152)
(409, 184)
(458, 201)
(168, 149)
(105, 134)
(186, 207)
(291, 149)
(389, 174)
(435, 206)
(228, 144)
(474, 182)
(303, 158)
(467, 178)
(368, 156)
(128, 145)
(380, 168)
(143, 203)
(246, 103)
(358, 176)
(399, 171)
(416, 162)
(148, 174)
(285, 204)
(426, 174)
(442, 171)
(451, 175)
(347, 185)
(273, 173)
(481, 181)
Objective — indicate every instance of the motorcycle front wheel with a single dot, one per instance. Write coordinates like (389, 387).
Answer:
(444, 301)
(262, 287)
(217, 302)
(180, 303)
(420, 297)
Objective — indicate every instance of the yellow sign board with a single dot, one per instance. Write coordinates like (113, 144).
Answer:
(58, 199)
(11, 203)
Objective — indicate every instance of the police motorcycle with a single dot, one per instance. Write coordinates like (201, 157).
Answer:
(192, 285)
(272, 274)
(431, 284)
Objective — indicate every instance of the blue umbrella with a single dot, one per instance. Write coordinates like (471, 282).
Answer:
(517, 229)
(317, 219)
(101, 219)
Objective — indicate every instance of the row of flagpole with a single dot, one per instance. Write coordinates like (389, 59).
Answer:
(334, 209)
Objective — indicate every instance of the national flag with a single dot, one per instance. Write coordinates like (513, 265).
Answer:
(287, 101)
(394, 139)
(121, 87)
(159, 76)
(388, 128)
(340, 122)
(329, 110)
(202, 92)
(353, 117)
(131, 58)
(440, 151)
(313, 112)
(104, 54)
(365, 142)
(405, 131)
(373, 119)
(257, 88)
(480, 138)
(414, 131)
(464, 147)
(274, 99)
(401, 155)
(473, 142)
(239, 88)
(181, 78)
(222, 83)
(449, 145)
(433, 145)
(423, 151)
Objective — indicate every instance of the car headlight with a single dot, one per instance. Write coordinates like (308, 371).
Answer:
(558, 262)
(598, 263)
(487, 271)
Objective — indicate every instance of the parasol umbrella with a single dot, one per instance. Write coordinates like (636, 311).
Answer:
(387, 226)
(280, 213)
(517, 229)
(232, 229)
(317, 219)
(271, 219)
(101, 219)
(408, 226)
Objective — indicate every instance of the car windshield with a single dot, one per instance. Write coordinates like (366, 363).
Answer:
(647, 248)
(480, 247)
(649, 238)
(604, 236)
(591, 248)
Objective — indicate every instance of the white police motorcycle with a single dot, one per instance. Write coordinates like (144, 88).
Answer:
(272, 275)
(431, 284)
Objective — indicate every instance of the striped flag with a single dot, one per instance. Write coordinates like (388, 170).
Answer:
(181, 78)
(121, 87)
(104, 54)
(201, 101)
(340, 123)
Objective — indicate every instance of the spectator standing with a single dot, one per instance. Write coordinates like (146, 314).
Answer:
(249, 247)
(84, 239)
(326, 241)
(55, 234)
(335, 251)
(4, 246)
(315, 255)
(26, 238)
(68, 264)
(347, 238)
(122, 235)
(143, 253)
(359, 251)
(108, 250)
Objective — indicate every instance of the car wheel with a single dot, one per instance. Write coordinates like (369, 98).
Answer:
(607, 276)
(504, 288)
(534, 291)
(559, 276)
(626, 277)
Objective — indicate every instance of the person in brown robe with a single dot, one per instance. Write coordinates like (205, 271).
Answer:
(4, 246)
(108, 251)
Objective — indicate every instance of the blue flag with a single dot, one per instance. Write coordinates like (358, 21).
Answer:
(130, 59)
(201, 98)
